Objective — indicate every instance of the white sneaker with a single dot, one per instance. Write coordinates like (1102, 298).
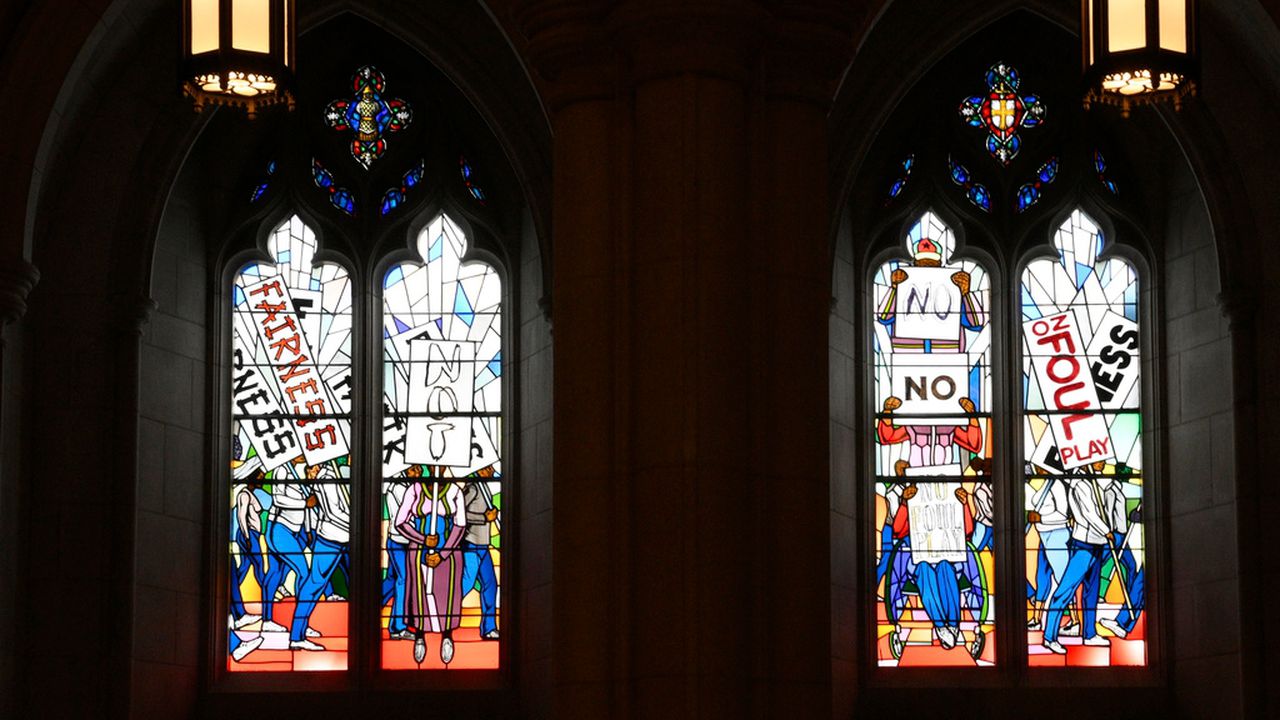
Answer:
(1054, 647)
(1071, 629)
(1114, 627)
(419, 649)
(245, 648)
(1097, 641)
(335, 598)
(446, 650)
(1034, 624)
(305, 645)
(402, 635)
(312, 632)
(491, 635)
(246, 620)
(272, 626)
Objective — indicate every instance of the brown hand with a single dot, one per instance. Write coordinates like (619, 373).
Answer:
(1100, 466)
(967, 405)
(491, 514)
(1033, 516)
(312, 501)
(892, 403)
(961, 279)
(433, 560)
(898, 276)
(962, 495)
(910, 492)
(433, 540)
(900, 468)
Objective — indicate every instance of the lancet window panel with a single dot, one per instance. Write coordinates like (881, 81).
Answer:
(291, 464)
(932, 420)
(1082, 441)
(442, 457)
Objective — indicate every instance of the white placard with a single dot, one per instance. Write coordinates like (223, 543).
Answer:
(937, 518)
(927, 306)
(291, 357)
(1056, 352)
(442, 376)
(274, 438)
(930, 383)
(1113, 358)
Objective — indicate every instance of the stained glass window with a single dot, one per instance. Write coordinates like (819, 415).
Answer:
(442, 457)
(368, 115)
(340, 197)
(469, 181)
(934, 509)
(1029, 193)
(900, 182)
(1002, 112)
(290, 501)
(261, 188)
(1100, 167)
(975, 191)
(395, 196)
(1082, 441)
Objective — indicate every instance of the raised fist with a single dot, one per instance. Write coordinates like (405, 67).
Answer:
(967, 405)
(900, 468)
(898, 276)
(1100, 466)
(1033, 516)
(491, 514)
(312, 501)
(433, 540)
(961, 279)
(910, 492)
(433, 560)
(962, 495)
(892, 403)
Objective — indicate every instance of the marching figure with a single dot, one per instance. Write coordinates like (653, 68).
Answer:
(433, 517)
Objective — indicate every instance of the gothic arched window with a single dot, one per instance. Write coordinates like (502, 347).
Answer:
(1006, 392)
(365, 496)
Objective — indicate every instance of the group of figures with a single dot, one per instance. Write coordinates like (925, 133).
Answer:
(441, 485)
(935, 508)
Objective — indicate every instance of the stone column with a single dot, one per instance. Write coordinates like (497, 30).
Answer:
(691, 288)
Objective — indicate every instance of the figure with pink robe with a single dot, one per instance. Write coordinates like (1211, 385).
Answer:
(433, 516)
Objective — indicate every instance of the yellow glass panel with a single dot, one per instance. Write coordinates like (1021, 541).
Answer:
(204, 26)
(1126, 24)
(286, 31)
(1173, 25)
(1088, 28)
(251, 25)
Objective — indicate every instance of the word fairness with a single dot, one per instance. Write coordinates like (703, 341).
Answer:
(1069, 391)
(300, 386)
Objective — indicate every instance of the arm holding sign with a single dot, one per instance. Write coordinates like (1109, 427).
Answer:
(885, 313)
(972, 314)
(886, 432)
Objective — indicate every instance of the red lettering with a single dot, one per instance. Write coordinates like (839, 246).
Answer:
(273, 285)
(272, 309)
(296, 368)
(1068, 421)
(1060, 405)
(316, 406)
(313, 438)
(293, 389)
(271, 331)
(1057, 340)
(1057, 360)
(293, 344)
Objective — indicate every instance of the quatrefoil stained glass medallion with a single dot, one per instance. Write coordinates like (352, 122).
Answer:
(1002, 112)
(370, 116)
